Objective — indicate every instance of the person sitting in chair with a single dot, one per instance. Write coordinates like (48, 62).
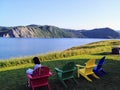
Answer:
(37, 65)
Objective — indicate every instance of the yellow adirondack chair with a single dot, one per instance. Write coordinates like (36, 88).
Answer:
(87, 69)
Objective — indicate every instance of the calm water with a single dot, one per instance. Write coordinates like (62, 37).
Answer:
(17, 47)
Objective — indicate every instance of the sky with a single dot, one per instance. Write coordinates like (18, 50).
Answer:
(69, 14)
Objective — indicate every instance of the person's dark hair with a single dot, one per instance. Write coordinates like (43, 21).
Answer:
(36, 60)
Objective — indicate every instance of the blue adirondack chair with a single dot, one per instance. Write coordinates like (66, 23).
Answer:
(98, 70)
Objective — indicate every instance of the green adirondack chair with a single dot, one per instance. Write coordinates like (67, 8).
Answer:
(66, 73)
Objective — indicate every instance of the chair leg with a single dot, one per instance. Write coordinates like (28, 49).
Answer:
(63, 83)
(33, 88)
(75, 80)
(78, 74)
(85, 76)
(98, 73)
(103, 71)
(48, 87)
(95, 76)
(88, 78)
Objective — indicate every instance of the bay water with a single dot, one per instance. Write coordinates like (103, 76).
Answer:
(19, 47)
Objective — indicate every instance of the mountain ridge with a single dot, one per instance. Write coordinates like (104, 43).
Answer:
(47, 31)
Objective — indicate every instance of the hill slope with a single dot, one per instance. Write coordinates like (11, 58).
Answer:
(101, 33)
(32, 31)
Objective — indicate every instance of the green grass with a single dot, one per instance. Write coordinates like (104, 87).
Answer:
(14, 77)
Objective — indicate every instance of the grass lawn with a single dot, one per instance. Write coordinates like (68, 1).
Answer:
(14, 78)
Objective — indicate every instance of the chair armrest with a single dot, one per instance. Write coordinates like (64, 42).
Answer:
(79, 65)
(29, 76)
(69, 70)
(50, 73)
(65, 71)
(58, 70)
